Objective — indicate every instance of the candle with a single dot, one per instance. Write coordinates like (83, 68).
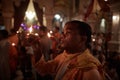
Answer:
(13, 44)
(36, 34)
(48, 34)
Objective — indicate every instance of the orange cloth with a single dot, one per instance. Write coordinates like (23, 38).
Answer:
(13, 53)
(76, 66)
(13, 58)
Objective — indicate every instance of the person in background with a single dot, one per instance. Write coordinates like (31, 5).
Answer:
(13, 52)
(45, 42)
(100, 43)
(13, 37)
(60, 49)
(55, 41)
(5, 73)
(77, 61)
(57, 33)
(42, 47)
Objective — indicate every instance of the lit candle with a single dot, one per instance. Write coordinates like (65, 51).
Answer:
(36, 34)
(93, 40)
(13, 44)
(48, 34)
(51, 32)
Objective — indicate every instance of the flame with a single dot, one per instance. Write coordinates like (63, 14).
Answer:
(13, 44)
(48, 34)
(51, 32)
(36, 34)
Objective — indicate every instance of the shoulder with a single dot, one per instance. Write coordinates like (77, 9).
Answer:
(4, 42)
(92, 74)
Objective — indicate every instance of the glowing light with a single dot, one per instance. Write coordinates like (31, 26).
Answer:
(30, 29)
(13, 44)
(36, 34)
(61, 19)
(115, 19)
(57, 16)
(17, 32)
(23, 26)
(48, 34)
(105, 0)
(102, 23)
(93, 40)
(51, 32)
(28, 34)
(30, 15)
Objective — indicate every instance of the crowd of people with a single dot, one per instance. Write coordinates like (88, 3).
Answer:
(75, 53)
(109, 60)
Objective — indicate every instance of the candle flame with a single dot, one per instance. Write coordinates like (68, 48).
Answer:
(36, 34)
(48, 34)
(51, 32)
(13, 44)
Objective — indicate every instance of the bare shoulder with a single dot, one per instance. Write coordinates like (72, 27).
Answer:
(92, 74)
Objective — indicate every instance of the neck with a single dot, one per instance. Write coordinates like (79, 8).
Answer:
(76, 51)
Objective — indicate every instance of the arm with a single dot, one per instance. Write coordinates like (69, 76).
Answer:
(43, 67)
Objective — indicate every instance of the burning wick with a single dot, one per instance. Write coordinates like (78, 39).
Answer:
(13, 44)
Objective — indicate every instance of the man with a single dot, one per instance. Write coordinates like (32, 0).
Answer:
(13, 52)
(76, 62)
(55, 41)
(5, 73)
(42, 46)
(45, 42)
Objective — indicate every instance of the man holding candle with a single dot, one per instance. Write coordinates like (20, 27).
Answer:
(76, 62)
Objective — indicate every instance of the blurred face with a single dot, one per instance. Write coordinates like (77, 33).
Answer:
(71, 40)
(41, 33)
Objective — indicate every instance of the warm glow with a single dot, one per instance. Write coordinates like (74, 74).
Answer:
(48, 34)
(93, 40)
(17, 32)
(57, 16)
(115, 19)
(51, 32)
(28, 34)
(102, 22)
(30, 15)
(13, 44)
(105, 0)
(36, 34)
(30, 29)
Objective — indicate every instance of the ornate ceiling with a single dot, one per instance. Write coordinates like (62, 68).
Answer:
(112, 4)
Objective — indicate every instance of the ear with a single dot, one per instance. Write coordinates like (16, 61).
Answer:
(82, 42)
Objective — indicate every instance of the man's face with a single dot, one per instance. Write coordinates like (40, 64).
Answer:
(41, 33)
(71, 39)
